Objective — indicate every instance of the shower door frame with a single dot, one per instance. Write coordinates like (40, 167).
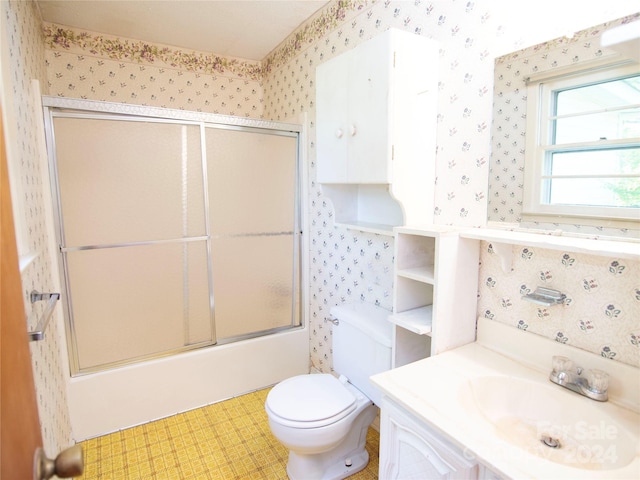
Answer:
(90, 109)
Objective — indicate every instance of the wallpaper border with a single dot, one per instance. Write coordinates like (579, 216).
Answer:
(63, 38)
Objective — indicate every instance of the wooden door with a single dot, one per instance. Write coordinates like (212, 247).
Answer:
(19, 423)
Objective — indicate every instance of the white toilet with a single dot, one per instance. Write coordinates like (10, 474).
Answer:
(323, 420)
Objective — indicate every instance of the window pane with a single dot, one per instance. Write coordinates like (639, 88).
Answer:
(598, 126)
(605, 191)
(616, 93)
(614, 161)
(602, 192)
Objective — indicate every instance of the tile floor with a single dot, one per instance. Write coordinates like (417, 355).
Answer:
(225, 440)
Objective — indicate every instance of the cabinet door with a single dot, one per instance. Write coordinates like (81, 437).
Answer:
(369, 127)
(410, 450)
(487, 474)
(332, 82)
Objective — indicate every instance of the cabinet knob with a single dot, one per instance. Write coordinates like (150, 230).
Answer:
(352, 130)
(339, 133)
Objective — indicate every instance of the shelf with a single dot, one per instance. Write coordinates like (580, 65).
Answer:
(368, 227)
(366, 208)
(566, 243)
(420, 274)
(434, 314)
(417, 320)
(431, 230)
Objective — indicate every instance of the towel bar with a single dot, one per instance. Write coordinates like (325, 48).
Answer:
(38, 333)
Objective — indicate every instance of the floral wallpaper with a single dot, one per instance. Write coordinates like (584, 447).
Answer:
(26, 62)
(95, 78)
(101, 67)
(506, 176)
(468, 34)
(135, 51)
(464, 30)
(346, 265)
(601, 313)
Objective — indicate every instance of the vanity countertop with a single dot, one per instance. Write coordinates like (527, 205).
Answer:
(445, 391)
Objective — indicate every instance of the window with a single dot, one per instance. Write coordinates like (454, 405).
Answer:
(583, 146)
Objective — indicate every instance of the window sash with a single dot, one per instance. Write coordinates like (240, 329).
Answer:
(541, 129)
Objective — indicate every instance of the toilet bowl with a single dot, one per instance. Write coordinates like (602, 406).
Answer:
(323, 422)
(322, 419)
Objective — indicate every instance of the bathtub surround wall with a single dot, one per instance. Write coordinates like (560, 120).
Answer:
(344, 265)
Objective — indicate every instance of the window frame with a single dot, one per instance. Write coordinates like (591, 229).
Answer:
(540, 126)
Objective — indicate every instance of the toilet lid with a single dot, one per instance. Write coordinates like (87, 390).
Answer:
(311, 398)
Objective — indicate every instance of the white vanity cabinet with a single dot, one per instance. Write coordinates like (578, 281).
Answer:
(410, 449)
(376, 130)
(485, 473)
(435, 293)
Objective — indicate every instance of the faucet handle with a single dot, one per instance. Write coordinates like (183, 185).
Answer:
(598, 380)
(562, 364)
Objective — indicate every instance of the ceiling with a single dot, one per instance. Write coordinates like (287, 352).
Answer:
(247, 29)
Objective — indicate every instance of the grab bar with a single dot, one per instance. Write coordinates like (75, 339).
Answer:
(38, 333)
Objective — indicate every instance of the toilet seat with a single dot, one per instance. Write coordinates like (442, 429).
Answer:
(310, 401)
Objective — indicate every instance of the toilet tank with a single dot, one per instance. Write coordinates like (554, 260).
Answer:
(362, 345)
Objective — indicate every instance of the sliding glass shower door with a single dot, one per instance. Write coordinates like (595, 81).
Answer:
(252, 184)
(173, 235)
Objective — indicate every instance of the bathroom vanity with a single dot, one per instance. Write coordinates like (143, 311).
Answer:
(487, 410)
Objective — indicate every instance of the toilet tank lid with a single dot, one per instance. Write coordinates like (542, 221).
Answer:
(370, 319)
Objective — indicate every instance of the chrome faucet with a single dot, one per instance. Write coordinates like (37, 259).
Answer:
(594, 384)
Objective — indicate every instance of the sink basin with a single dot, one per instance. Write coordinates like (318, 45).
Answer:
(555, 424)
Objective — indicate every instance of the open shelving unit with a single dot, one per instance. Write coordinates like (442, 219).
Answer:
(434, 307)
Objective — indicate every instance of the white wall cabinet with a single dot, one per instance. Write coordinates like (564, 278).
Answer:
(376, 130)
(436, 285)
(409, 449)
(354, 142)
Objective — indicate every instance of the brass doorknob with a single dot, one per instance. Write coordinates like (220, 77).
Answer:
(67, 464)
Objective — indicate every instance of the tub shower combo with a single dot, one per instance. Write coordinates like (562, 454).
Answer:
(176, 230)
